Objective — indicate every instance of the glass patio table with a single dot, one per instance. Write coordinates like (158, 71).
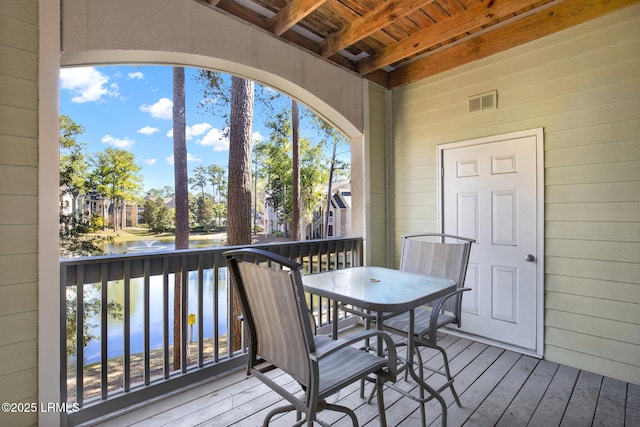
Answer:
(379, 293)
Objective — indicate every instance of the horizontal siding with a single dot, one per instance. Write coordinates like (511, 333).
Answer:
(19, 207)
(582, 86)
(24, 239)
(611, 231)
(27, 176)
(18, 151)
(593, 287)
(18, 298)
(620, 331)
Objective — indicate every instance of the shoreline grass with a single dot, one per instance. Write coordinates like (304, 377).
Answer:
(92, 373)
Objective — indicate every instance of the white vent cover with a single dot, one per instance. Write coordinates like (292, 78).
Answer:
(484, 101)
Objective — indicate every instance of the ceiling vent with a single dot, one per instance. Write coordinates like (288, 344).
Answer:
(484, 101)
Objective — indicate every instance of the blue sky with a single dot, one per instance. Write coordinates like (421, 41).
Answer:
(130, 107)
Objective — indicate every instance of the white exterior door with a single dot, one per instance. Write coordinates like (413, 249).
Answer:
(492, 192)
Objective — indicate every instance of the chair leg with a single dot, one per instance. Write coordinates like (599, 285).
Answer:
(279, 410)
(448, 375)
(381, 410)
(423, 412)
(344, 410)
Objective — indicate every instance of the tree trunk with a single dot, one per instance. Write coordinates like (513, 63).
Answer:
(182, 207)
(295, 186)
(331, 169)
(239, 186)
(180, 160)
(114, 214)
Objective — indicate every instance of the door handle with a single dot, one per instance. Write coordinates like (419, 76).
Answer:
(529, 258)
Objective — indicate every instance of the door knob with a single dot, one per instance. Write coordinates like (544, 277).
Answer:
(529, 258)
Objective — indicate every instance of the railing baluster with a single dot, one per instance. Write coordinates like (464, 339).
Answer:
(230, 318)
(216, 311)
(184, 302)
(147, 322)
(104, 347)
(127, 327)
(62, 324)
(165, 317)
(80, 335)
(200, 317)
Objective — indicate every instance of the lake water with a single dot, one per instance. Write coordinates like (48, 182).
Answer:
(115, 292)
(142, 246)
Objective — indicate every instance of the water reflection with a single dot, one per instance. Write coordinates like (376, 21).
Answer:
(115, 327)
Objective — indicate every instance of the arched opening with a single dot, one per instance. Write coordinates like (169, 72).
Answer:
(124, 109)
(100, 38)
(317, 93)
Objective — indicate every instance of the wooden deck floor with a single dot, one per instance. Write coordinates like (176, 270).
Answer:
(496, 387)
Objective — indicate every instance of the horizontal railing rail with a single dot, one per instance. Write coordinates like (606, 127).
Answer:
(117, 349)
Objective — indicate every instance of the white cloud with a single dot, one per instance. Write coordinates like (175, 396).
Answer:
(163, 109)
(219, 141)
(148, 130)
(117, 142)
(87, 84)
(150, 162)
(191, 131)
(215, 138)
(136, 75)
(256, 136)
(197, 129)
(190, 158)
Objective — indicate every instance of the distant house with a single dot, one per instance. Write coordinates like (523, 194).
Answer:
(339, 214)
(93, 203)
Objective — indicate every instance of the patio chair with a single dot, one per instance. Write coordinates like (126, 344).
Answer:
(440, 255)
(280, 336)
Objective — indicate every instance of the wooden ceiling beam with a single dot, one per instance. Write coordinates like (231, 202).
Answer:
(360, 28)
(245, 14)
(548, 21)
(478, 15)
(292, 13)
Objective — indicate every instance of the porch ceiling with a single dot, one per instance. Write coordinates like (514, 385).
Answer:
(395, 42)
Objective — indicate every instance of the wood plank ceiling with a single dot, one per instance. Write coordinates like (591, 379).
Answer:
(396, 42)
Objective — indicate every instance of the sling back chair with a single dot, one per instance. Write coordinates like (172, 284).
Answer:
(280, 336)
(441, 255)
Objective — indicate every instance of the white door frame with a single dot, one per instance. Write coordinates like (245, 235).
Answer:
(538, 133)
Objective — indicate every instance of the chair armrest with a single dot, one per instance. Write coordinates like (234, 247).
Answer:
(336, 345)
(435, 312)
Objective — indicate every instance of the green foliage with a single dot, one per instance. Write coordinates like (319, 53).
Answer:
(276, 164)
(213, 175)
(216, 99)
(157, 216)
(204, 213)
(74, 232)
(69, 132)
(198, 180)
(220, 211)
(74, 225)
(116, 175)
(91, 310)
(166, 191)
(96, 223)
(74, 238)
(73, 165)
